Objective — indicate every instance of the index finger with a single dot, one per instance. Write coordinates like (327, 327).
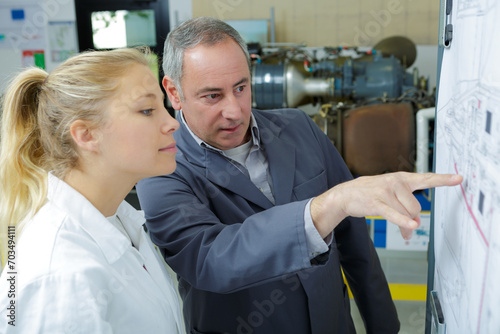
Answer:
(419, 181)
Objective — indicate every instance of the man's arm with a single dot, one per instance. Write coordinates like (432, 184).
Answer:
(389, 196)
(358, 257)
(226, 252)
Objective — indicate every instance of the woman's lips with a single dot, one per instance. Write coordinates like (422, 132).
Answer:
(169, 148)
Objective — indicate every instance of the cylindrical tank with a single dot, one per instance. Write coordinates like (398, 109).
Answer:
(287, 85)
(283, 85)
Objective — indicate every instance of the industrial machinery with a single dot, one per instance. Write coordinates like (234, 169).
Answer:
(366, 100)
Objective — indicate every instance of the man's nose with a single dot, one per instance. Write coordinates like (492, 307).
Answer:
(232, 109)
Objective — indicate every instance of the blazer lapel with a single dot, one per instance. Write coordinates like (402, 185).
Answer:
(226, 175)
(281, 157)
(280, 154)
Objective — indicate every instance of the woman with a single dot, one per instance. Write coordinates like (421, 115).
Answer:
(73, 145)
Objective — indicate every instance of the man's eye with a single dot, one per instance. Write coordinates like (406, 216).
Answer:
(212, 96)
(240, 89)
(147, 112)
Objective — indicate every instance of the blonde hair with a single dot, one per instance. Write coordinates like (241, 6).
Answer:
(37, 111)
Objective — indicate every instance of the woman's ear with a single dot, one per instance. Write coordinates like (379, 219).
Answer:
(172, 92)
(84, 136)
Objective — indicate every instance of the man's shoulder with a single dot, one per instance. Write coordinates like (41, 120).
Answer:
(280, 118)
(282, 112)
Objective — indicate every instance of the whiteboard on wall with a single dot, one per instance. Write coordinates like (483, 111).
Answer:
(30, 27)
(467, 218)
(18, 33)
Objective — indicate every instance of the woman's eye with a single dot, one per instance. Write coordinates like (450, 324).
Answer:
(147, 112)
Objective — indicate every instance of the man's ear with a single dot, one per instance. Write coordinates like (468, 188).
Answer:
(85, 138)
(172, 92)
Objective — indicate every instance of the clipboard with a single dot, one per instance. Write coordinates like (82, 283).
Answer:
(445, 25)
(438, 325)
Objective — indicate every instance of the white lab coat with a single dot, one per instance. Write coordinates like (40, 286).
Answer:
(76, 273)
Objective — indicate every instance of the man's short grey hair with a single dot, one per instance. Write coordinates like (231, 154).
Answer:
(191, 33)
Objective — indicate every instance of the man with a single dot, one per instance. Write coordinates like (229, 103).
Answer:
(258, 219)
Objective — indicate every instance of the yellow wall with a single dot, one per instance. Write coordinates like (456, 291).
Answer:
(334, 22)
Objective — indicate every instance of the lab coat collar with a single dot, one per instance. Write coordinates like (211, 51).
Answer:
(112, 243)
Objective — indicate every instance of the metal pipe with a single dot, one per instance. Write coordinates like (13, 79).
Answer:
(423, 117)
(272, 24)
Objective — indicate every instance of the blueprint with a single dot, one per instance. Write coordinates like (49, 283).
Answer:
(467, 217)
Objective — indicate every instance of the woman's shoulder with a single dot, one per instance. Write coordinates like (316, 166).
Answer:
(53, 242)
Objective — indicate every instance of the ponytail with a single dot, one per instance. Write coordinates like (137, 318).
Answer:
(23, 180)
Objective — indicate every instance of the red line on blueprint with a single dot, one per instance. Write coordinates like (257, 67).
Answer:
(482, 292)
(471, 213)
(487, 255)
(483, 288)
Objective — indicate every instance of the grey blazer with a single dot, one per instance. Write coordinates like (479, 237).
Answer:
(241, 261)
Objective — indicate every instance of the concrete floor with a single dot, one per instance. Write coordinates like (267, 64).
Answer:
(404, 267)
